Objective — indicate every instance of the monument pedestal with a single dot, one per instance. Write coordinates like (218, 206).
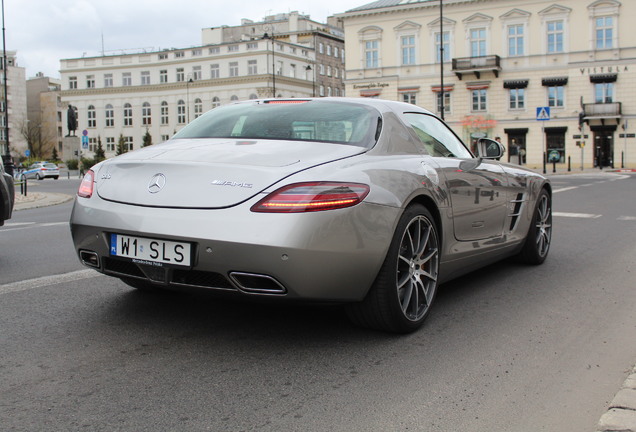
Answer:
(71, 146)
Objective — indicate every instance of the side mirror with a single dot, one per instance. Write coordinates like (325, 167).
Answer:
(490, 149)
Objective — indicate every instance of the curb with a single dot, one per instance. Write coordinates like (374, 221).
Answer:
(621, 414)
(39, 199)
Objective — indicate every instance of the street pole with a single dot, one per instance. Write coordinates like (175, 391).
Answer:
(6, 100)
(441, 58)
(624, 144)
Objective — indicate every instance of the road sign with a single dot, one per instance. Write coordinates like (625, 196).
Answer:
(27, 152)
(84, 142)
(554, 156)
(85, 132)
(543, 113)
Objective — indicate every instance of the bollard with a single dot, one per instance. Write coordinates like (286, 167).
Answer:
(553, 166)
(23, 185)
(569, 163)
(544, 162)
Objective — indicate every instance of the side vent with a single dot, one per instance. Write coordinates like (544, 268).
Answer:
(516, 205)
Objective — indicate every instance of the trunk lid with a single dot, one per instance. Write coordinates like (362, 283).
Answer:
(208, 173)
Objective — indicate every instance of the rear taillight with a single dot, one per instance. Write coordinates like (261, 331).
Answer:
(315, 196)
(86, 187)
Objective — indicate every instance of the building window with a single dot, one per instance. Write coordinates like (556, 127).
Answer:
(329, 71)
(445, 45)
(165, 138)
(179, 54)
(517, 98)
(126, 79)
(252, 67)
(128, 143)
(555, 96)
(371, 54)
(555, 36)
(321, 69)
(145, 78)
(110, 116)
(146, 118)
(279, 68)
(128, 115)
(292, 70)
(215, 50)
(90, 81)
(478, 42)
(214, 71)
(409, 97)
(92, 116)
(72, 83)
(555, 141)
(479, 100)
(196, 73)
(197, 52)
(321, 48)
(252, 45)
(234, 98)
(515, 40)
(604, 32)
(408, 50)
(322, 91)
(198, 107)
(108, 80)
(163, 56)
(329, 50)
(232, 48)
(181, 112)
(335, 51)
(163, 76)
(110, 144)
(447, 102)
(216, 102)
(234, 71)
(180, 75)
(164, 113)
(604, 92)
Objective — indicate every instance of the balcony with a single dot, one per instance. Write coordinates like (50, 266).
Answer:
(602, 111)
(477, 65)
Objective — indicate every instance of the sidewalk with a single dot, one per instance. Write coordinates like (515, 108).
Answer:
(39, 199)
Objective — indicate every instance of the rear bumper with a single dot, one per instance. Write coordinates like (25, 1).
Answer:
(329, 256)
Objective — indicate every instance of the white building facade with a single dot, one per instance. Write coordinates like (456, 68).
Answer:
(160, 92)
(15, 106)
(507, 65)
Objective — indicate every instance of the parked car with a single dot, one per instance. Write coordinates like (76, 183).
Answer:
(42, 170)
(366, 202)
(7, 195)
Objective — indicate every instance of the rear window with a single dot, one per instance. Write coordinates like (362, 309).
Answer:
(50, 166)
(320, 121)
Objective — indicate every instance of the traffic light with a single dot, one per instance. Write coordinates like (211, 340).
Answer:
(581, 119)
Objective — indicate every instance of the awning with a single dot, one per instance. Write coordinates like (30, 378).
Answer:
(603, 78)
(554, 81)
(516, 84)
(370, 93)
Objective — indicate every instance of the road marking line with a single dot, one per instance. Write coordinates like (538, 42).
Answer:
(564, 189)
(627, 218)
(48, 280)
(15, 224)
(31, 225)
(577, 215)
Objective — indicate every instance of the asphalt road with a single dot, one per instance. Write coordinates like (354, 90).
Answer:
(508, 348)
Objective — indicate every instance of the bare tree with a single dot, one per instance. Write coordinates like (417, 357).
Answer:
(40, 142)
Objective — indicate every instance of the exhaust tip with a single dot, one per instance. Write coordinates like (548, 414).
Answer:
(257, 283)
(90, 259)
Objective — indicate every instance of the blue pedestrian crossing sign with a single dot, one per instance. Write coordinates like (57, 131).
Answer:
(543, 113)
(84, 142)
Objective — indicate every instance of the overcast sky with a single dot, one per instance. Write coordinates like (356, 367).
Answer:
(45, 31)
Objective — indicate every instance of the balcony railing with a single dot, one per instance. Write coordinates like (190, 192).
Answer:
(477, 65)
(602, 110)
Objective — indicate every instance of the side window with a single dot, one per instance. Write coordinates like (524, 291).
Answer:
(438, 140)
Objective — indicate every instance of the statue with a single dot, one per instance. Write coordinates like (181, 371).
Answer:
(71, 120)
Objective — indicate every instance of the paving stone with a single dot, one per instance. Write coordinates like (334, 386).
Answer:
(618, 420)
(625, 398)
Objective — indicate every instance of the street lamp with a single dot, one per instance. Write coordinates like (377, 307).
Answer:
(266, 36)
(6, 104)
(441, 59)
(188, 82)
(313, 80)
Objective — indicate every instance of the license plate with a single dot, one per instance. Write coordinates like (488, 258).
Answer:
(155, 252)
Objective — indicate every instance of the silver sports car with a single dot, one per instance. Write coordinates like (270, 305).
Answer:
(366, 202)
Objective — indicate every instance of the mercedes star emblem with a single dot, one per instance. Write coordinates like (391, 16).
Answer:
(157, 182)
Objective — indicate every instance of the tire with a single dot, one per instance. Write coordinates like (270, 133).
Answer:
(39, 177)
(56, 177)
(140, 285)
(537, 244)
(403, 292)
